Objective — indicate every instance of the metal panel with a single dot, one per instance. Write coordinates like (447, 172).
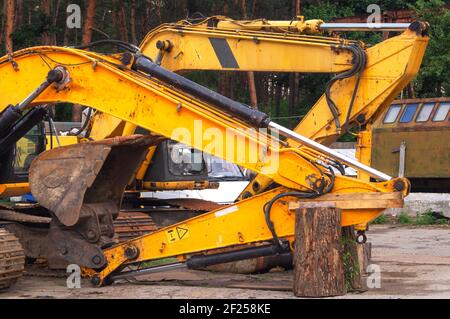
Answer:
(224, 53)
(428, 155)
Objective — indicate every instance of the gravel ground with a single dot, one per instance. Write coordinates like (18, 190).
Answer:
(414, 263)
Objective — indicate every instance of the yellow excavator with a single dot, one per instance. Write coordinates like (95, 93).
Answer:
(220, 43)
(211, 44)
(80, 187)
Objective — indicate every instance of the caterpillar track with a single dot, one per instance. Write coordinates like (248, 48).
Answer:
(12, 259)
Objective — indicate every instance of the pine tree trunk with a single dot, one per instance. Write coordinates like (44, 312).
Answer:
(351, 260)
(2, 22)
(250, 74)
(252, 89)
(123, 26)
(9, 25)
(46, 10)
(295, 78)
(133, 22)
(88, 26)
(89, 22)
(18, 19)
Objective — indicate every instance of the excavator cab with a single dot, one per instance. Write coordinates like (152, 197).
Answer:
(15, 163)
(176, 162)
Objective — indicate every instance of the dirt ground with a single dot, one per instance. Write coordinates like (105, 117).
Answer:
(414, 263)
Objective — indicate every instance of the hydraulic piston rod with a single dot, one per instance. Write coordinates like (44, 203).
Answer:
(243, 112)
(328, 151)
(364, 26)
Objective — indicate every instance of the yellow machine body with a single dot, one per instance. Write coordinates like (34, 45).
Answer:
(149, 104)
(102, 82)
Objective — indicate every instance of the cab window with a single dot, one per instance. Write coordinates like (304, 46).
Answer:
(442, 111)
(219, 169)
(392, 114)
(27, 149)
(408, 114)
(185, 161)
(425, 112)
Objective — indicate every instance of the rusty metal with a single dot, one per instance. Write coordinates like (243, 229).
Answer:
(82, 186)
(63, 179)
(194, 204)
(166, 212)
(12, 259)
(32, 239)
(13, 216)
(69, 246)
(255, 265)
(427, 156)
(133, 224)
(37, 244)
(427, 100)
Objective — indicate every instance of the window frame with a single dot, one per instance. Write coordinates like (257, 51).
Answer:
(437, 111)
(397, 116)
(422, 107)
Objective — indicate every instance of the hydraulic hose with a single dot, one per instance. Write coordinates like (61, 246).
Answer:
(121, 44)
(359, 64)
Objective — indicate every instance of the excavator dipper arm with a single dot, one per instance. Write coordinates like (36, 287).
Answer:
(362, 98)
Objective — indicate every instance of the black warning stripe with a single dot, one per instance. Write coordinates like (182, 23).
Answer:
(224, 53)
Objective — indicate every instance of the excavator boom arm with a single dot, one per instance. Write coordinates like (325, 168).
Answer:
(102, 83)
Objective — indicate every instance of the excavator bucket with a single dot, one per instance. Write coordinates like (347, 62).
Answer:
(82, 186)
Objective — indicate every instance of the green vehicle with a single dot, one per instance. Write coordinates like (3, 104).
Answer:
(412, 139)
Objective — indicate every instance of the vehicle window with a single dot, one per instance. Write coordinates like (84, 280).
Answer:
(408, 113)
(442, 111)
(185, 161)
(392, 113)
(27, 149)
(218, 169)
(425, 112)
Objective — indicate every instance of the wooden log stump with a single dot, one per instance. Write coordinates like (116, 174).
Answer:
(352, 267)
(318, 262)
(364, 256)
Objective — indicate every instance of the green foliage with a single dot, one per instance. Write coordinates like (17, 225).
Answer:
(425, 219)
(421, 219)
(433, 79)
(380, 220)
(428, 218)
(351, 269)
(63, 113)
(327, 10)
(404, 218)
